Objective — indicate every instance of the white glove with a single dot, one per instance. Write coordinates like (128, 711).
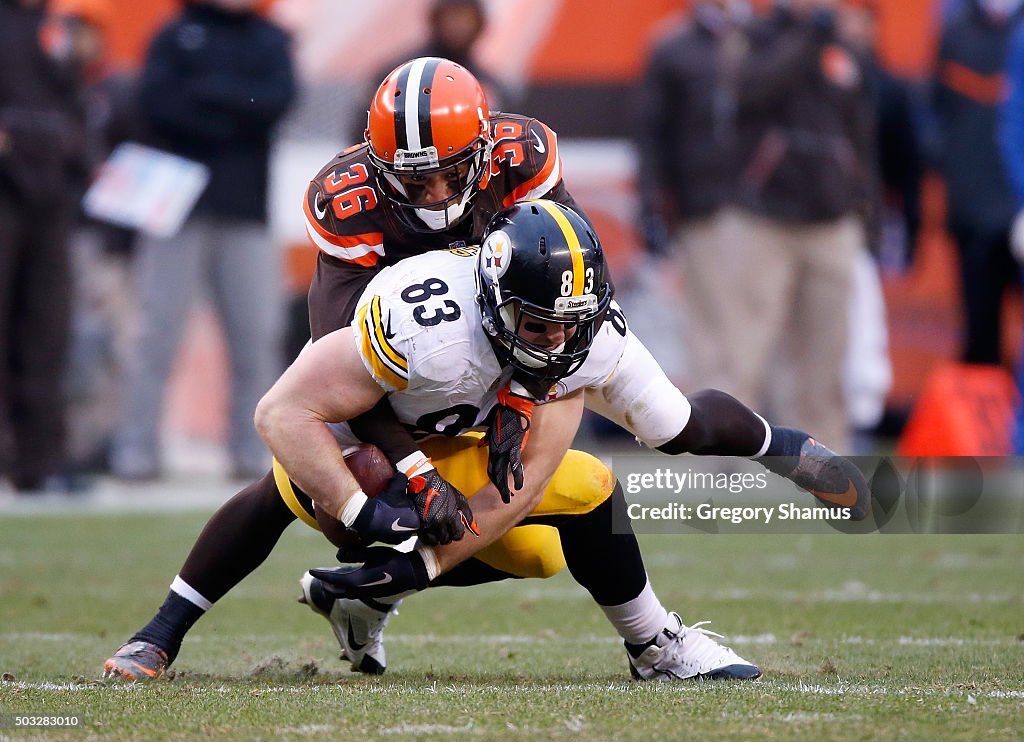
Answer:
(1017, 237)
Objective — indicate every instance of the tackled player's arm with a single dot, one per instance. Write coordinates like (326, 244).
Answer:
(326, 383)
(553, 428)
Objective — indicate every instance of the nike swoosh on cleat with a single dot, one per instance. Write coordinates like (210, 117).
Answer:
(399, 528)
(382, 581)
(115, 670)
(846, 499)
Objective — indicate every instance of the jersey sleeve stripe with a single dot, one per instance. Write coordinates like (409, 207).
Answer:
(382, 338)
(365, 255)
(545, 179)
(393, 376)
(364, 249)
(575, 250)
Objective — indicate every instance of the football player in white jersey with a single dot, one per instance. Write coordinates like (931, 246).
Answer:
(443, 348)
(442, 333)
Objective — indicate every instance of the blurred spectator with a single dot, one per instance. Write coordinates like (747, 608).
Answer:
(1011, 136)
(779, 285)
(40, 143)
(686, 140)
(899, 107)
(970, 86)
(453, 27)
(216, 80)
(103, 310)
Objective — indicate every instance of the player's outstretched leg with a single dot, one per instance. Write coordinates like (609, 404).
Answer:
(236, 540)
(358, 625)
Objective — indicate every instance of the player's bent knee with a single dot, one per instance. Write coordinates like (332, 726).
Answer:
(533, 551)
(581, 483)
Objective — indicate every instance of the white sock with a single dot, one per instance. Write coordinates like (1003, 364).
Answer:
(640, 619)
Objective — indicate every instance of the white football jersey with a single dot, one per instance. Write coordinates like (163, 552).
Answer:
(417, 329)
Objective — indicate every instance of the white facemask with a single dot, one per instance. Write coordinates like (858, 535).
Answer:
(438, 220)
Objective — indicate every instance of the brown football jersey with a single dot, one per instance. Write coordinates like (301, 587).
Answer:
(348, 219)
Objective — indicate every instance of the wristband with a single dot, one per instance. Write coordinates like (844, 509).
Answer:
(429, 561)
(352, 507)
(415, 463)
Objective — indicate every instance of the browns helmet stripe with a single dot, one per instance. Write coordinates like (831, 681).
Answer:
(412, 111)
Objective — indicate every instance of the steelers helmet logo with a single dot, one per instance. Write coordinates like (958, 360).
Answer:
(496, 253)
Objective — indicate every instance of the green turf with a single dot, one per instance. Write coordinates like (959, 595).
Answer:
(867, 637)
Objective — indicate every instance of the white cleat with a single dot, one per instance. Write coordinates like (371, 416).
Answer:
(681, 652)
(358, 626)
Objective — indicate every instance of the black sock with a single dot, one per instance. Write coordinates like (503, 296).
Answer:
(168, 627)
(783, 452)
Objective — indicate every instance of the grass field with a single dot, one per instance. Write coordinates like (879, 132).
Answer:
(869, 637)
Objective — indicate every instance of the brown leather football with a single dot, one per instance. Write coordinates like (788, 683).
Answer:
(373, 471)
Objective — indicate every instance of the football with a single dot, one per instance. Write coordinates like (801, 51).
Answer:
(373, 471)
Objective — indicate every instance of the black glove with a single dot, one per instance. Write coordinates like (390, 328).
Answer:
(508, 427)
(385, 572)
(443, 510)
(389, 517)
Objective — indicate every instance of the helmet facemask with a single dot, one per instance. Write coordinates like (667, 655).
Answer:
(463, 172)
(517, 321)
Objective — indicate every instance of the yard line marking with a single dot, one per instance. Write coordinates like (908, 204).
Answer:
(624, 686)
(543, 638)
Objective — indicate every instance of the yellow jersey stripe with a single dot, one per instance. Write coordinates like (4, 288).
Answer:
(575, 250)
(379, 365)
(382, 339)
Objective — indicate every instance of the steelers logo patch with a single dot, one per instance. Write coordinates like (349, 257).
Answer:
(495, 253)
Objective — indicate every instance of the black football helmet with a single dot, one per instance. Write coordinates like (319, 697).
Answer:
(540, 261)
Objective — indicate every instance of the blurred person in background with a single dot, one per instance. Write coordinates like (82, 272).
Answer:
(1011, 139)
(969, 87)
(686, 139)
(103, 310)
(453, 29)
(781, 280)
(41, 122)
(900, 106)
(216, 80)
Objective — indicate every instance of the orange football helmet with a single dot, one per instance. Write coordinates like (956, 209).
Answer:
(429, 117)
